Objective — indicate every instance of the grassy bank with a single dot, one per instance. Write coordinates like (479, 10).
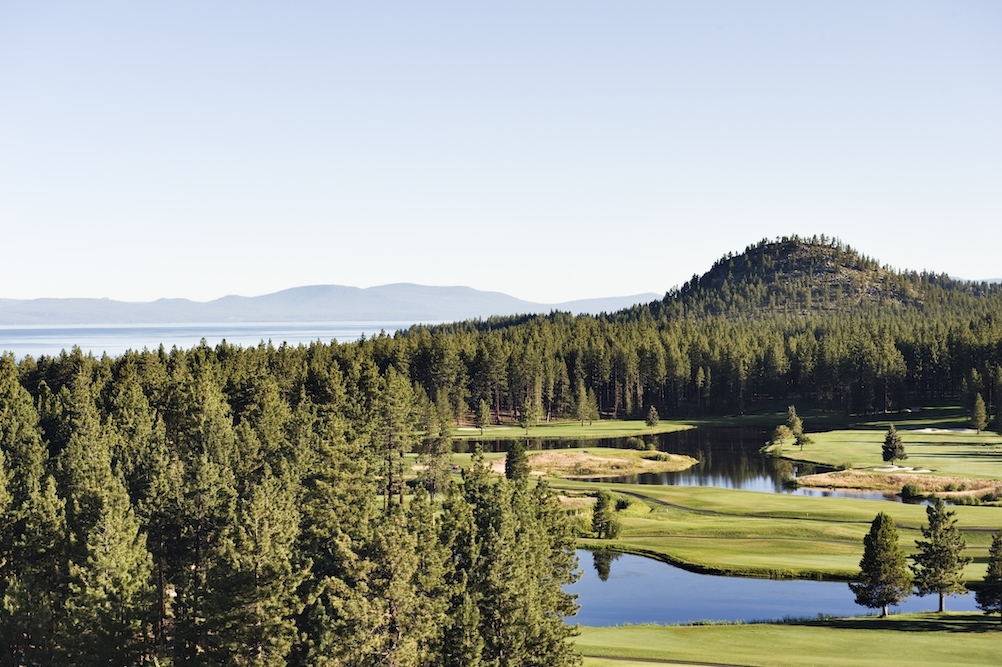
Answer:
(745, 533)
(605, 428)
(916, 640)
(955, 461)
(959, 454)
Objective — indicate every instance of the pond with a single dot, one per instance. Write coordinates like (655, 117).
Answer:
(620, 588)
(728, 458)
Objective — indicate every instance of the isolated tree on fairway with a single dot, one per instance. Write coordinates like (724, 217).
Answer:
(979, 415)
(939, 563)
(483, 415)
(516, 462)
(591, 407)
(796, 428)
(793, 422)
(603, 518)
(781, 433)
(884, 578)
(989, 596)
(652, 417)
(529, 414)
(893, 449)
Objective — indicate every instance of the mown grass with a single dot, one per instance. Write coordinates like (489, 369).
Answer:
(745, 533)
(916, 640)
(957, 454)
(604, 428)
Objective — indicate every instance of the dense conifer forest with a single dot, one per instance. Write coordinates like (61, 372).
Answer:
(252, 506)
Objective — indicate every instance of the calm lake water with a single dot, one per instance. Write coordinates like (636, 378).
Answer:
(728, 458)
(641, 590)
(117, 338)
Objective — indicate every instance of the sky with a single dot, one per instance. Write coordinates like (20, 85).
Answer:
(549, 150)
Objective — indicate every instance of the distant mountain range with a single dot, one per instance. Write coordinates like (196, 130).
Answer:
(401, 302)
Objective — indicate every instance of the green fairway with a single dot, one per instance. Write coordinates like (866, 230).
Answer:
(746, 533)
(604, 428)
(951, 453)
(949, 460)
(915, 640)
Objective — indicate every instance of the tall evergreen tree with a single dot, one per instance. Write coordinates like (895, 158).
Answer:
(252, 602)
(483, 415)
(979, 415)
(516, 462)
(939, 563)
(397, 427)
(109, 601)
(652, 417)
(32, 620)
(462, 644)
(989, 596)
(20, 435)
(884, 578)
(603, 519)
(893, 448)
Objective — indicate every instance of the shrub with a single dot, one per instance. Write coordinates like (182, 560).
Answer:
(651, 447)
(911, 492)
(622, 504)
(614, 528)
(950, 487)
(635, 443)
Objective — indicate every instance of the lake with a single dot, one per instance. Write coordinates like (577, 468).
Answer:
(115, 339)
(642, 590)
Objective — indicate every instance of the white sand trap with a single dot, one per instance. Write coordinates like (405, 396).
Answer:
(894, 469)
(964, 431)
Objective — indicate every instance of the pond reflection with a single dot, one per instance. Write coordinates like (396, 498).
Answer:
(621, 588)
(728, 458)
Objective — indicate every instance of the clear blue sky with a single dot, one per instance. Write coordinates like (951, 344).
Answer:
(550, 150)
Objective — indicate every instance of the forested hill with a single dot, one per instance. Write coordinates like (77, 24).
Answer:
(798, 276)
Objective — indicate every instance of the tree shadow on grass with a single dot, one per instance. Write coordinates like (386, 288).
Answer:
(966, 623)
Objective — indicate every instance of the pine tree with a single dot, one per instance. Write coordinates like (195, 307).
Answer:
(884, 578)
(581, 402)
(31, 616)
(652, 417)
(793, 422)
(603, 519)
(108, 606)
(516, 462)
(462, 644)
(989, 596)
(252, 585)
(979, 416)
(939, 563)
(483, 415)
(893, 448)
(108, 600)
(20, 435)
(396, 431)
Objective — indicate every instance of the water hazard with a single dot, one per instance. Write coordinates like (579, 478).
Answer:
(620, 588)
(728, 458)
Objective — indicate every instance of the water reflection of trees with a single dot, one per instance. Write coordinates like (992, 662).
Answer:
(729, 457)
(603, 562)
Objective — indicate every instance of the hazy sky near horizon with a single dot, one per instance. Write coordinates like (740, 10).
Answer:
(549, 150)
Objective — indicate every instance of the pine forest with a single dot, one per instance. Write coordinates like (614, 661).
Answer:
(251, 506)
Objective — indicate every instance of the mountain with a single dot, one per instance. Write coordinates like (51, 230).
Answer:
(402, 302)
(793, 275)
